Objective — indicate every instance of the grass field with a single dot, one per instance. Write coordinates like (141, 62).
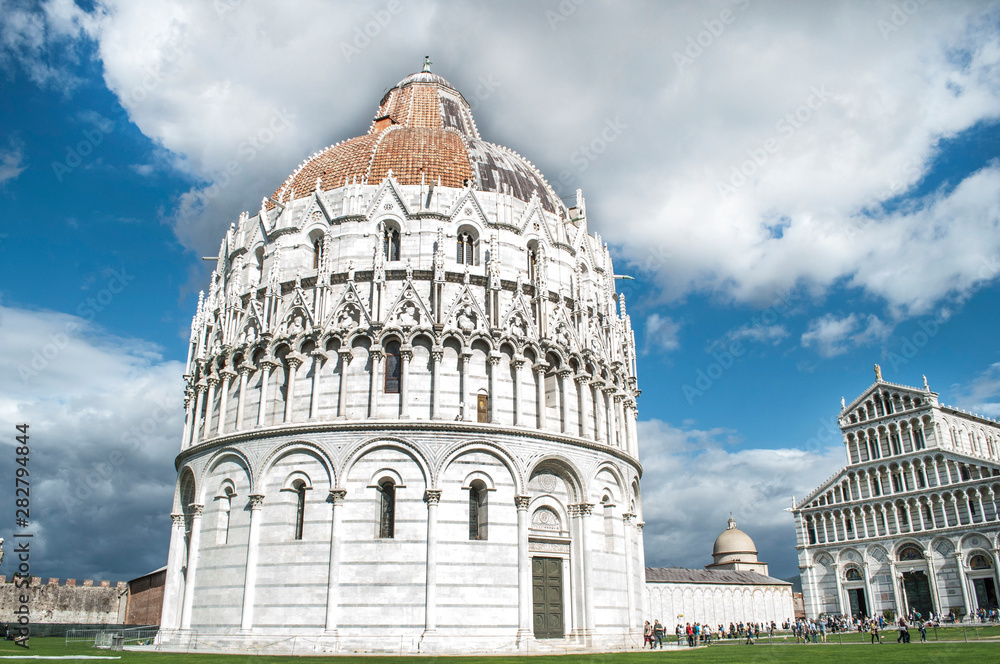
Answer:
(986, 651)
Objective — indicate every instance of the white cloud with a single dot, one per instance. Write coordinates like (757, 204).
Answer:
(662, 334)
(982, 395)
(11, 164)
(829, 113)
(769, 334)
(830, 334)
(105, 417)
(692, 479)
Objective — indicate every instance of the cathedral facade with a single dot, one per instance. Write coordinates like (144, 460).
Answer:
(411, 408)
(911, 523)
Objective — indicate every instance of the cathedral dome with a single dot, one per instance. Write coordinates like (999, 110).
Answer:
(733, 544)
(422, 132)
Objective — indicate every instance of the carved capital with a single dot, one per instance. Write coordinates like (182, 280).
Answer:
(212, 380)
(540, 368)
(406, 353)
(269, 363)
(256, 501)
(565, 373)
(522, 502)
(197, 509)
(337, 496)
(294, 360)
(376, 352)
(437, 353)
(244, 369)
(581, 379)
(628, 517)
(493, 360)
(433, 496)
(227, 374)
(177, 519)
(345, 355)
(318, 355)
(581, 509)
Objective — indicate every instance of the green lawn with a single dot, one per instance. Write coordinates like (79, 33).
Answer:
(986, 651)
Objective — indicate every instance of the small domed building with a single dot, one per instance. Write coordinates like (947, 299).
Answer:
(411, 408)
(734, 588)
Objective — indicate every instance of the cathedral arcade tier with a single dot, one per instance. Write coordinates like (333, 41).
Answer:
(911, 523)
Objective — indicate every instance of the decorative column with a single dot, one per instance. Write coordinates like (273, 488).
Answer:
(430, 613)
(294, 362)
(172, 591)
(923, 524)
(227, 376)
(517, 362)
(405, 355)
(318, 357)
(437, 354)
(897, 596)
(196, 429)
(494, 362)
(563, 408)
(869, 596)
(596, 398)
(583, 417)
(376, 355)
(265, 380)
(192, 565)
(982, 510)
(345, 359)
(250, 579)
(609, 414)
(540, 392)
(212, 380)
(189, 418)
(524, 603)
(996, 565)
(583, 512)
(935, 600)
(244, 371)
(964, 582)
(629, 581)
(333, 580)
(465, 392)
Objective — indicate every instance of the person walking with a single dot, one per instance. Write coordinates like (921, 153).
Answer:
(658, 633)
(923, 631)
(874, 632)
(647, 636)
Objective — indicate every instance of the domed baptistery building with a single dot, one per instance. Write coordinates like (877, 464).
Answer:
(411, 413)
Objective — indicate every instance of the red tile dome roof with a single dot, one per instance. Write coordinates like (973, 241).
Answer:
(423, 131)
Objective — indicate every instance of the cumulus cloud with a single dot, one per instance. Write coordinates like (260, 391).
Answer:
(769, 334)
(833, 335)
(693, 479)
(662, 334)
(982, 395)
(757, 161)
(105, 417)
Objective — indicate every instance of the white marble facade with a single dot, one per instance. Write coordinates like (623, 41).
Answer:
(912, 522)
(411, 411)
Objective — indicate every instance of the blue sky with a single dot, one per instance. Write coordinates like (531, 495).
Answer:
(863, 227)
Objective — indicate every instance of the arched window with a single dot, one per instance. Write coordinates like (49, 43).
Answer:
(300, 507)
(853, 574)
(390, 243)
(478, 501)
(466, 249)
(386, 509)
(910, 553)
(532, 263)
(393, 367)
(317, 252)
(609, 523)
